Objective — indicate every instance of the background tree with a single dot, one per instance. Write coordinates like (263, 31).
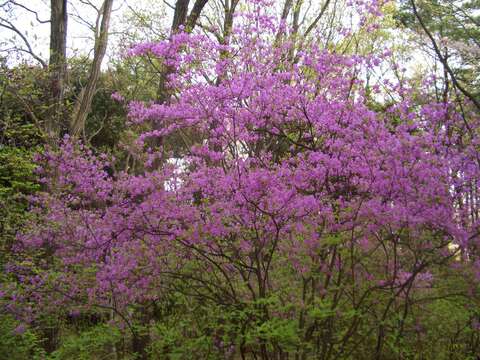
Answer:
(450, 29)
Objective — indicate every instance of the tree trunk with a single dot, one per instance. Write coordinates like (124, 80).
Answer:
(57, 65)
(180, 15)
(83, 105)
(195, 14)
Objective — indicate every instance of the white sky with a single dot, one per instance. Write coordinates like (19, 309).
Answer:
(81, 15)
(80, 37)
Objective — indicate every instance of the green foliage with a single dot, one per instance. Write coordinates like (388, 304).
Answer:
(96, 343)
(17, 342)
(16, 172)
(175, 342)
(279, 332)
(17, 179)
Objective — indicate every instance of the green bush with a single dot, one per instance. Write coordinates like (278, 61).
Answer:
(17, 342)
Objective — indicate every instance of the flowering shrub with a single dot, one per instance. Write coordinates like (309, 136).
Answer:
(288, 214)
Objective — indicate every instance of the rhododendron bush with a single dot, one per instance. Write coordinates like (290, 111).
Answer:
(279, 209)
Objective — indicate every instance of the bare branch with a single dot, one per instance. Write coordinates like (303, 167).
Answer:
(29, 10)
(89, 3)
(317, 19)
(10, 26)
(169, 5)
(144, 21)
(80, 20)
(287, 6)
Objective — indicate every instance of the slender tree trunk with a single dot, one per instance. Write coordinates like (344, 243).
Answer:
(195, 14)
(84, 103)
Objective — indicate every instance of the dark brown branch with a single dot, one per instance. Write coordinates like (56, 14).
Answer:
(169, 5)
(317, 19)
(287, 6)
